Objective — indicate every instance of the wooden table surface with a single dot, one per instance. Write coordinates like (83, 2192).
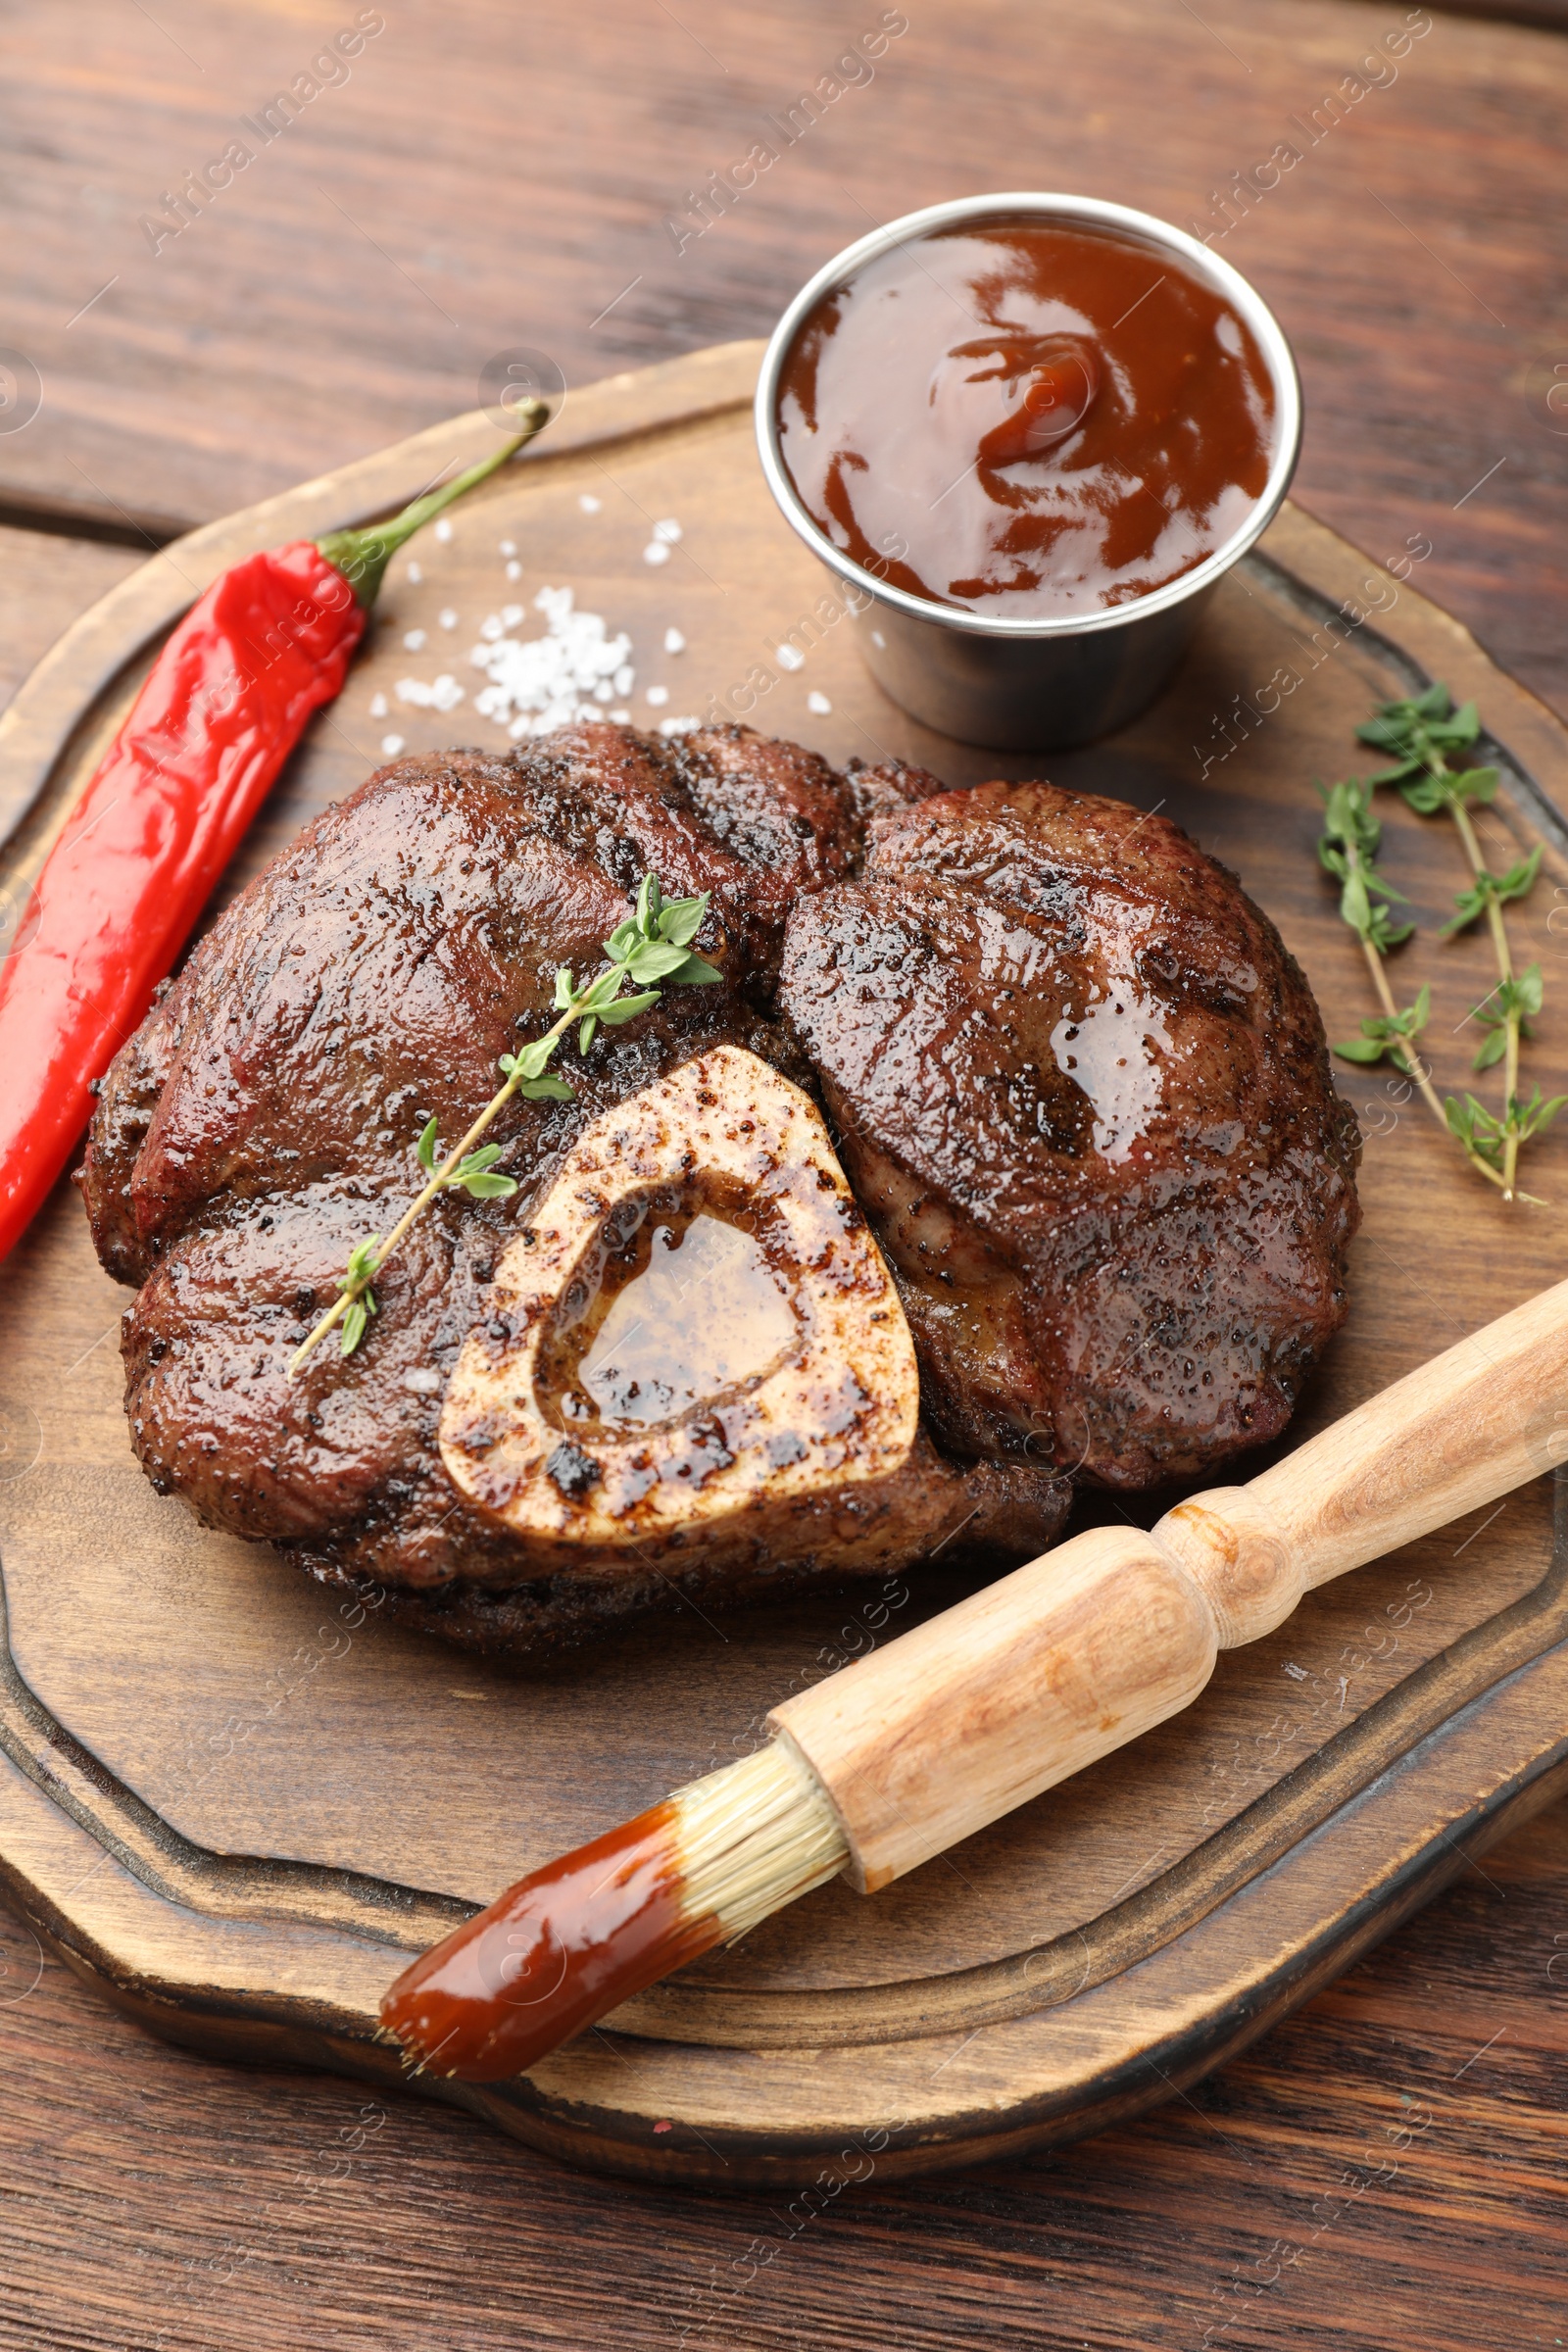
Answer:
(1385, 2170)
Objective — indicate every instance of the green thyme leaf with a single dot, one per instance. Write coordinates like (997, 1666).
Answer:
(1477, 1129)
(1347, 849)
(1534, 1114)
(627, 1009)
(1388, 1033)
(696, 973)
(655, 960)
(1519, 881)
(1426, 795)
(531, 1061)
(682, 919)
(362, 1263)
(602, 989)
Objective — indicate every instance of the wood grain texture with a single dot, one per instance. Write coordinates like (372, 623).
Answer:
(1382, 2172)
(332, 298)
(43, 588)
(142, 2190)
(179, 1705)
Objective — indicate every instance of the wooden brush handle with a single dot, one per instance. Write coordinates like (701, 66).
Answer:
(984, 1705)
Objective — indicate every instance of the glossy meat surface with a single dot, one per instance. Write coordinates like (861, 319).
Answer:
(265, 1116)
(1083, 1095)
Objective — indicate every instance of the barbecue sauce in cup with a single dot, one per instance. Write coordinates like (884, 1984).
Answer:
(1026, 419)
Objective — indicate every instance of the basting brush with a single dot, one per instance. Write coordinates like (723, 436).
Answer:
(916, 1746)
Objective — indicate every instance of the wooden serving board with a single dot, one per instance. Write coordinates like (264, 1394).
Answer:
(239, 1805)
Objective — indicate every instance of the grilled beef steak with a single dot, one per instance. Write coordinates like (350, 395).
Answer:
(1083, 1095)
(263, 1120)
(1079, 1088)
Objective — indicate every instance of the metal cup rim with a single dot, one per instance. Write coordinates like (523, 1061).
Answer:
(1091, 212)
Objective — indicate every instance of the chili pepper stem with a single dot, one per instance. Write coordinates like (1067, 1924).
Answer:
(363, 556)
(416, 1209)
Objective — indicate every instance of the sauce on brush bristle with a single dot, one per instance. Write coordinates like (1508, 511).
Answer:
(551, 1956)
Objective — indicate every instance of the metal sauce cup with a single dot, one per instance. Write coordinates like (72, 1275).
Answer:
(1027, 684)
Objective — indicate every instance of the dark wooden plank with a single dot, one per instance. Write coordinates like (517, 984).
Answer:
(44, 583)
(152, 2199)
(1550, 14)
(331, 298)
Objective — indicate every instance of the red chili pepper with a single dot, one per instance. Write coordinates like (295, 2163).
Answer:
(124, 886)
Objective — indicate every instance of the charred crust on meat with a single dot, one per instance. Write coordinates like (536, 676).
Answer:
(572, 1473)
(1091, 1295)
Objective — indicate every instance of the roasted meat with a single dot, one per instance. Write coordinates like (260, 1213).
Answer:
(1082, 1092)
(263, 1120)
(1076, 1083)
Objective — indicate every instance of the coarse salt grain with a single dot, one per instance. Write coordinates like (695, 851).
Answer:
(443, 694)
(622, 718)
(414, 641)
(537, 683)
(511, 615)
(657, 696)
(625, 678)
(448, 617)
(379, 705)
(656, 551)
(514, 571)
(391, 744)
(414, 573)
(509, 547)
(679, 727)
(589, 504)
(492, 625)
(788, 657)
(818, 703)
(675, 642)
(667, 529)
(443, 530)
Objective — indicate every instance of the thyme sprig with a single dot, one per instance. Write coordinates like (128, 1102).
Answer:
(654, 944)
(1425, 733)
(1348, 847)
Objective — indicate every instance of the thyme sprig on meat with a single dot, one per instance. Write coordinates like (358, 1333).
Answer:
(654, 944)
(1424, 733)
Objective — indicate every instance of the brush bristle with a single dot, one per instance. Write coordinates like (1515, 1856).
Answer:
(752, 1838)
